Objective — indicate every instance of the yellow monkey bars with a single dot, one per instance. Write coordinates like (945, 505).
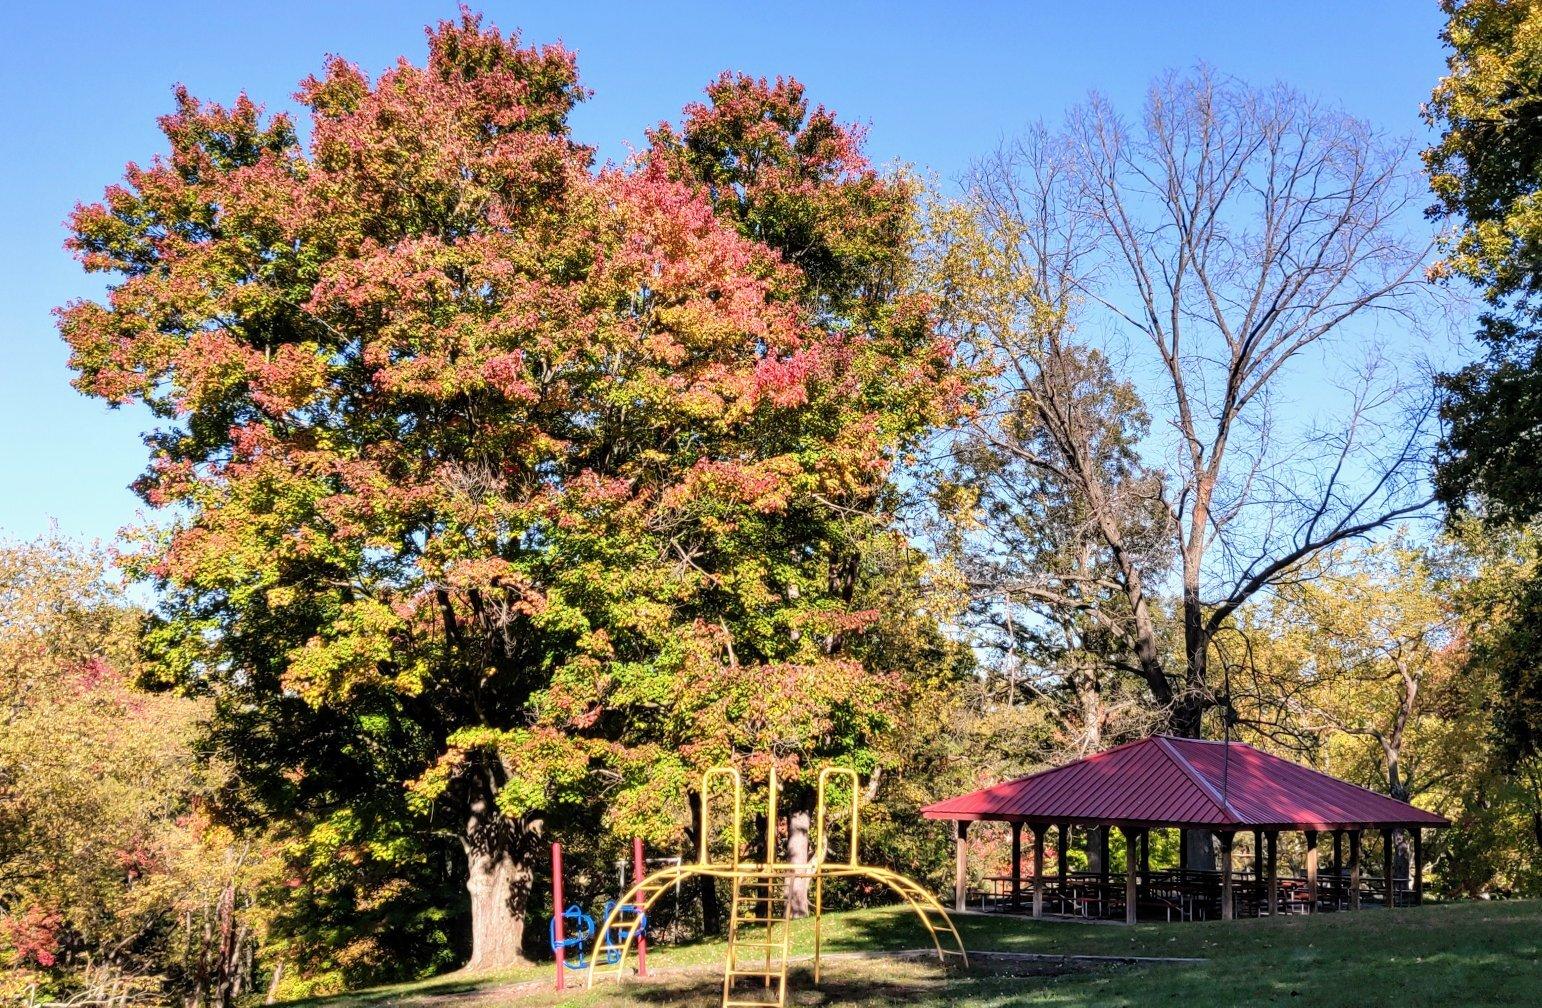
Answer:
(758, 919)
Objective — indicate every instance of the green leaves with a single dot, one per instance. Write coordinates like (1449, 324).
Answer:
(496, 471)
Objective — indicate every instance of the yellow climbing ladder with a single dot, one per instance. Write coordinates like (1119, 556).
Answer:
(758, 935)
(759, 931)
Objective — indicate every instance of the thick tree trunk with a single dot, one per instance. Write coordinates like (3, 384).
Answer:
(798, 853)
(1397, 787)
(500, 872)
(1095, 841)
(711, 907)
(499, 884)
(1093, 711)
(1189, 705)
(225, 961)
(1199, 849)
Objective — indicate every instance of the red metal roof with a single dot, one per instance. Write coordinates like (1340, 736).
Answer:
(1166, 781)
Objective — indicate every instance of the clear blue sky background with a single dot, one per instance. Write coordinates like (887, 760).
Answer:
(938, 83)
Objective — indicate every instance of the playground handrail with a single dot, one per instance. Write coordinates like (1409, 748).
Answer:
(731, 773)
(823, 846)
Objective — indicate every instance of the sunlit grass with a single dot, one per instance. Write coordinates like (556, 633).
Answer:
(1451, 955)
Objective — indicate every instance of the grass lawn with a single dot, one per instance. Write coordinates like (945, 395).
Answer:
(1451, 955)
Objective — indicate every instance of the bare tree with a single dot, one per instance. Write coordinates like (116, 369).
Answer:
(1186, 265)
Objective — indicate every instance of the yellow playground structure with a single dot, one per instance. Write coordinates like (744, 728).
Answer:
(755, 971)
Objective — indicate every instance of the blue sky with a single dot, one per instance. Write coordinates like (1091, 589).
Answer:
(937, 83)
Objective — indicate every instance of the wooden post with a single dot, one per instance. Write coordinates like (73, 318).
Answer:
(1418, 866)
(1354, 869)
(1131, 896)
(1227, 911)
(1258, 870)
(960, 832)
(1105, 870)
(1017, 866)
(1338, 867)
(1311, 871)
(1062, 844)
(1272, 867)
(1038, 870)
(1183, 850)
(1390, 897)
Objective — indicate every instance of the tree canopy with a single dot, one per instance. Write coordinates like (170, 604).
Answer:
(1486, 173)
(501, 473)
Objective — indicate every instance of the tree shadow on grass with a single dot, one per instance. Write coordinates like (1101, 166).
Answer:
(844, 983)
(851, 982)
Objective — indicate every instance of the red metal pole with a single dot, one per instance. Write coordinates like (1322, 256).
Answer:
(556, 910)
(637, 876)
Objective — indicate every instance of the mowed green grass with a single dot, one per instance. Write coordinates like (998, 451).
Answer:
(1446, 955)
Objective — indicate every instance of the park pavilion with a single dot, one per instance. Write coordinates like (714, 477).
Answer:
(1224, 788)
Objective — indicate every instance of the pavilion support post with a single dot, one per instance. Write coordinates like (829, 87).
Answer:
(1258, 870)
(1038, 871)
(1104, 870)
(960, 834)
(1272, 870)
(1017, 867)
(1311, 871)
(1390, 896)
(1183, 850)
(1354, 869)
(1227, 909)
(1418, 866)
(1131, 894)
(1062, 843)
(1338, 867)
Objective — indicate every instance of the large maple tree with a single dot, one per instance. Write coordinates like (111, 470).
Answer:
(506, 479)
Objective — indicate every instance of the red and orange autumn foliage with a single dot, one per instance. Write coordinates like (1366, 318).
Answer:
(583, 473)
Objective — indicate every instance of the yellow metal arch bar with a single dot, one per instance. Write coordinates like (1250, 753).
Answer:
(822, 844)
(732, 773)
(772, 787)
(920, 901)
(659, 883)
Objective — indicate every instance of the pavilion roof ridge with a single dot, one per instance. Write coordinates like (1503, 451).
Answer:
(1223, 806)
(1298, 767)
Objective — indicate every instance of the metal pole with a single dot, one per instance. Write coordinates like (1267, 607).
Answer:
(637, 877)
(556, 910)
(819, 906)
